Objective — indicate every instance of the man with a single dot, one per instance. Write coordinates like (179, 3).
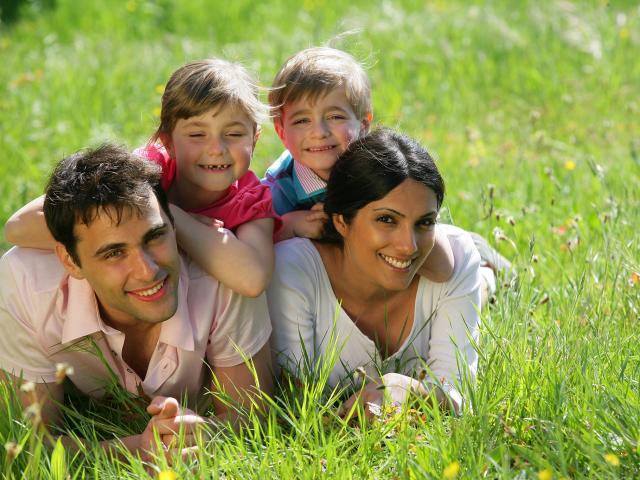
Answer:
(116, 299)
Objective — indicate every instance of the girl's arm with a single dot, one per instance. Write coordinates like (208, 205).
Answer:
(27, 227)
(438, 266)
(243, 263)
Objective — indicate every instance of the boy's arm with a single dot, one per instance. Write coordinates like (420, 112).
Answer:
(302, 223)
(245, 266)
(27, 227)
(439, 264)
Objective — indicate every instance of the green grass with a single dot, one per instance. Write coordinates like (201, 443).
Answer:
(538, 99)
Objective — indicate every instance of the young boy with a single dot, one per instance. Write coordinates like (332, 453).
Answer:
(321, 100)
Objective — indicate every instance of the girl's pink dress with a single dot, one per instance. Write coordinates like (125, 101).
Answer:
(247, 199)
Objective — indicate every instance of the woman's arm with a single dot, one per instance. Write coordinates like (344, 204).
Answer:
(27, 227)
(439, 264)
(291, 299)
(452, 340)
(243, 263)
(397, 389)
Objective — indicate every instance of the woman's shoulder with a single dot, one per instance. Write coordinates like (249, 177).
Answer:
(465, 254)
(461, 243)
(297, 251)
(298, 266)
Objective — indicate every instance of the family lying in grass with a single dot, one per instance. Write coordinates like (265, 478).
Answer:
(363, 280)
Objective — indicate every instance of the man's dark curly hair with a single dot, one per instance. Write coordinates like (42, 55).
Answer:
(108, 179)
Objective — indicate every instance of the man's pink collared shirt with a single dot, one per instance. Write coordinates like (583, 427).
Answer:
(48, 317)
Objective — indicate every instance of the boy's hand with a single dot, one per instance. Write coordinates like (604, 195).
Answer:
(306, 223)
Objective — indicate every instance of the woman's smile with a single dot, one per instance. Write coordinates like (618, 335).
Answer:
(398, 230)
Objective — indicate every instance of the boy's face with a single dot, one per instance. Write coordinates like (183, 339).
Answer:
(211, 150)
(317, 132)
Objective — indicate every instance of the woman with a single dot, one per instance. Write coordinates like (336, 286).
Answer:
(354, 300)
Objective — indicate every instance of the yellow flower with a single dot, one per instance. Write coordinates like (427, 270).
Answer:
(167, 475)
(131, 6)
(160, 89)
(156, 112)
(570, 165)
(624, 33)
(545, 474)
(451, 471)
(612, 459)
(635, 277)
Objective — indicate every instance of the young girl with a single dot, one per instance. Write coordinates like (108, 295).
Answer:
(208, 131)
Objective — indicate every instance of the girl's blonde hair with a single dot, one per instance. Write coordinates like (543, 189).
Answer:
(202, 85)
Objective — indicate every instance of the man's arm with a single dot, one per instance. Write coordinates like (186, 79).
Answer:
(43, 399)
(242, 386)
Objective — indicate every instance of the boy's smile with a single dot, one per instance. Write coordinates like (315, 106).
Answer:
(317, 130)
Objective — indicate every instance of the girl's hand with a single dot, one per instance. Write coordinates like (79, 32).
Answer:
(208, 221)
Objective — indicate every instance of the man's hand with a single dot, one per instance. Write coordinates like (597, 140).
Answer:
(169, 421)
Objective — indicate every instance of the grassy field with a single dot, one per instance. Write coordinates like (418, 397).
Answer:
(532, 110)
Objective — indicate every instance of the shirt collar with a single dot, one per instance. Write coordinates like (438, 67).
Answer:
(310, 182)
(177, 331)
(83, 315)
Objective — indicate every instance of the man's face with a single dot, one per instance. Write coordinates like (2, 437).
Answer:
(317, 132)
(133, 267)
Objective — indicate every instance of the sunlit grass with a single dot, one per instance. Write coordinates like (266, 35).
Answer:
(532, 110)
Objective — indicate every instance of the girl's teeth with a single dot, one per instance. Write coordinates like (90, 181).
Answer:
(396, 263)
(216, 167)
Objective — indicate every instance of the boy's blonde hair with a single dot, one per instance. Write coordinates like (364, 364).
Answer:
(199, 86)
(314, 72)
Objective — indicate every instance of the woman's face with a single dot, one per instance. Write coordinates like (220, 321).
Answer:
(389, 239)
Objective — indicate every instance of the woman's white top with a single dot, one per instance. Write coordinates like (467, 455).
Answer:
(310, 329)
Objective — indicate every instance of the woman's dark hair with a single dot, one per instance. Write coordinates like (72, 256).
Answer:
(369, 169)
(89, 182)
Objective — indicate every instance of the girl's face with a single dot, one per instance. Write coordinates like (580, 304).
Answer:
(212, 150)
(389, 239)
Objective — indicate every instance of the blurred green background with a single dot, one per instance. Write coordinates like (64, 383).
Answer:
(532, 110)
